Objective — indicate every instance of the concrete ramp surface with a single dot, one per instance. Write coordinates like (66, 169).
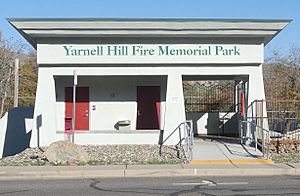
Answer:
(224, 151)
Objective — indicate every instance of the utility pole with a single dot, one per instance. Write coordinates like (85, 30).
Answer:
(16, 93)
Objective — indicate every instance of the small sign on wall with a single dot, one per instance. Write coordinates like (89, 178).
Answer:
(175, 100)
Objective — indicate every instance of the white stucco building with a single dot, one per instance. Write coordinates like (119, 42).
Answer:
(131, 71)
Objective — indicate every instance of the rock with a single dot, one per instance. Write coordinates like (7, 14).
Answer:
(65, 151)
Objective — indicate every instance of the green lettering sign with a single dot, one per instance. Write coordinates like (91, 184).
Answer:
(152, 50)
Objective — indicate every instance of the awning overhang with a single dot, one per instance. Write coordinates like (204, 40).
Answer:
(34, 29)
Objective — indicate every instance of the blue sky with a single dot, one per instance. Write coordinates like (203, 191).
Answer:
(232, 9)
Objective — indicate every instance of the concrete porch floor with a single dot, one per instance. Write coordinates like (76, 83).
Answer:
(224, 151)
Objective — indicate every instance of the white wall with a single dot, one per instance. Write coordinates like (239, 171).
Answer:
(15, 130)
(114, 99)
(173, 67)
(114, 138)
(174, 114)
(44, 118)
(210, 123)
(3, 127)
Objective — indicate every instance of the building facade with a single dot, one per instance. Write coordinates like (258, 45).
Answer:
(127, 75)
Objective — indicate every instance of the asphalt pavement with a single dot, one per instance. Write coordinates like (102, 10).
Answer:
(174, 186)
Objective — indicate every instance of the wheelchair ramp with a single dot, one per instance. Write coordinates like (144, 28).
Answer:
(225, 151)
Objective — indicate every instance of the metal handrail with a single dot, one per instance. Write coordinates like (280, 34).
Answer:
(188, 137)
(265, 145)
(234, 105)
(255, 101)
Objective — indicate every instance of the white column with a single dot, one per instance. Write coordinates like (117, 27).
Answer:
(257, 92)
(175, 111)
(44, 121)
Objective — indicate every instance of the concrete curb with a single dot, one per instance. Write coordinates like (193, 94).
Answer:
(80, 172)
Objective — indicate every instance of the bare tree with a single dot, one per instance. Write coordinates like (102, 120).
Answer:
(282, 75)
(28, 79)
(9, 51)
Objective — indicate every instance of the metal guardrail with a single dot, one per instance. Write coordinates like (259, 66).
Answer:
(186, 141)
(265, 137)
(283, 117)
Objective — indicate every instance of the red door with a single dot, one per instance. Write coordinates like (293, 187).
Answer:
(148, 107)
(82, 108)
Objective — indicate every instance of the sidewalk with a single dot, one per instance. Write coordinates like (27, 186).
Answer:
(79, 172)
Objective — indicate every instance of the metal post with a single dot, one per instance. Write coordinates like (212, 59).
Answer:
(191, 132)
(74, 105)
(16, 92)
(255, 134)
(239, 110)
(261, 122)
(268, 155)
(241, 131)
(179, 134)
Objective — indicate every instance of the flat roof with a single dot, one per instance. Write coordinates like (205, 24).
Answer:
(149, 19)
(33, 29)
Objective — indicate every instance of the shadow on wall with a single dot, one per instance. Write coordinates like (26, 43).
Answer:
(212, 124)
(16, 138)
(215, 125)
(195, 116)
(205, 123)
(231, 127)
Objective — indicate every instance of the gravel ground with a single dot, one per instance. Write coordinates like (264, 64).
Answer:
(104, 155)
